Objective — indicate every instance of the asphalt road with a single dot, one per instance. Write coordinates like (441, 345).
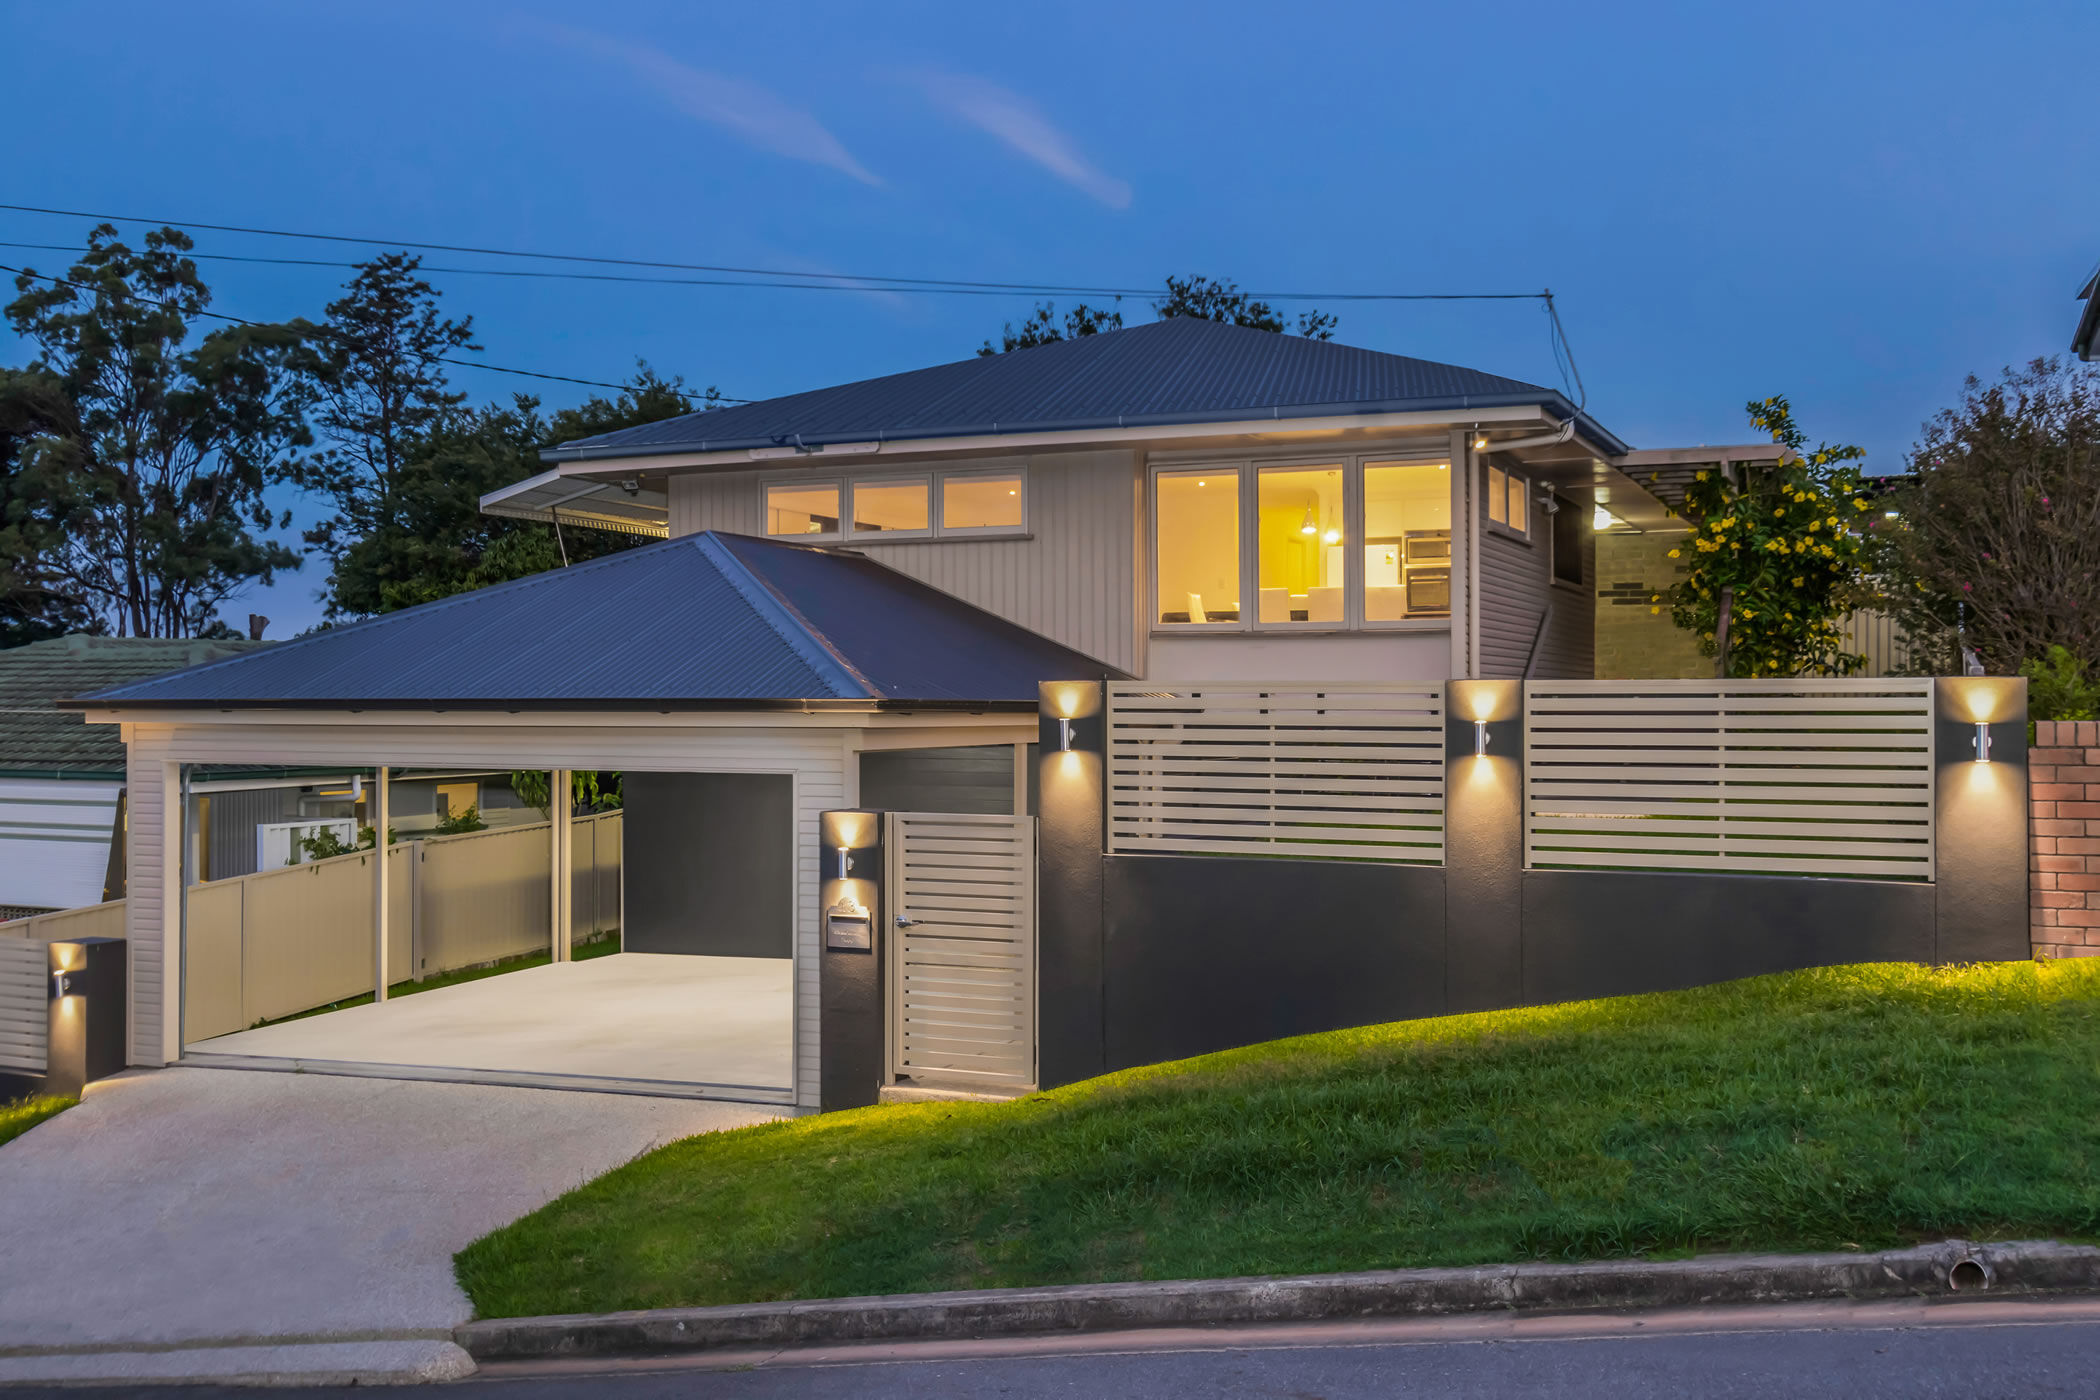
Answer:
(1975, 1351)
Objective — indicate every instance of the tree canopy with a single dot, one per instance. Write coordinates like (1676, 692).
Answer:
(1206, 298)
(134, 451)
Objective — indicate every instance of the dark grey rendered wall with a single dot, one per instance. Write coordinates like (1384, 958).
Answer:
(709, 864)
(1205, 954)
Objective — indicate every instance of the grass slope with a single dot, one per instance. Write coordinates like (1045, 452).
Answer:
(1858, 1106)
(18, 1116)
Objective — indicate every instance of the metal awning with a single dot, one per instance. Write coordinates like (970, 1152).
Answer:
(627, 506)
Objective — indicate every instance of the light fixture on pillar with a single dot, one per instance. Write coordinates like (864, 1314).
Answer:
(63, 985)
(1983, 741)
(845, 862)
(1480, 738)
(1064, 734)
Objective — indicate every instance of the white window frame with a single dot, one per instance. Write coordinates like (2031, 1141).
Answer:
(942, 530)
(765, 506)
(1531, 507)
(1248, 470)
(936, 481)
(852, 488)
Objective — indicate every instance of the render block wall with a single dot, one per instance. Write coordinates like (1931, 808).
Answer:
(1634, 643)
(2064, 839)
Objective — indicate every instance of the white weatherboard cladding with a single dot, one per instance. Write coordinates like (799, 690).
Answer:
(1780, 777)
(816, 757)
(54, 841)
(1073, 579)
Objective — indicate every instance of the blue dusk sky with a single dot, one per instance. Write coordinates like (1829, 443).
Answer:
(1853, 204)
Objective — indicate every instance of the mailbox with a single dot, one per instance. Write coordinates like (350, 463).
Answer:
(849, 927)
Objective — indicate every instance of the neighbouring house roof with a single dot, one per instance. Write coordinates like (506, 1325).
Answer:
(39, 739)
(1179, 370)
(2088, 320)
(705, 621)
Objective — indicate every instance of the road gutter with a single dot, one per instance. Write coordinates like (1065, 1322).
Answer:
(1948, 1268)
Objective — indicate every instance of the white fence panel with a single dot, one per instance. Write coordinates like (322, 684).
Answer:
(25, 1003)
(1348, 771)
(1781, 777)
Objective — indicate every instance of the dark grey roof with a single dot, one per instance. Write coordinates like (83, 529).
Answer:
(37, 738)
(703, 621)
(1180, 370)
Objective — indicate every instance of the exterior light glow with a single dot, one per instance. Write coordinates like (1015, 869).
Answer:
(1480, 738)
(1983, 741)
(1064, 734)
(1480, 443)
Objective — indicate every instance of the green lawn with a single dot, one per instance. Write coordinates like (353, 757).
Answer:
(18, 1116)
(1855, 1107)
(579, 952)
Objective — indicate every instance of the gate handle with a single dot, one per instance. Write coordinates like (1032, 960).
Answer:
(903, 922)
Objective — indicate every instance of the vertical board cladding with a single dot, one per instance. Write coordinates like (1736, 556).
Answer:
(814, 756)
(1071, 579)
(1516, 586)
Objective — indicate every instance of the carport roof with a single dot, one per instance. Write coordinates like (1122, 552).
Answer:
(705, 621)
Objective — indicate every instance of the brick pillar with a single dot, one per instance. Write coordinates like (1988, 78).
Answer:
(2063, 837)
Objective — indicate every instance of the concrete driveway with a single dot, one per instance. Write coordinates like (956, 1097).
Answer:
(201, 1223)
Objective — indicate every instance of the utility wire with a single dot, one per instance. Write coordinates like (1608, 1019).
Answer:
(841, 280)
(442, 359)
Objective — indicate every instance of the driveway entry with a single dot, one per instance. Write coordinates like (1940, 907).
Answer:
(210, 1223)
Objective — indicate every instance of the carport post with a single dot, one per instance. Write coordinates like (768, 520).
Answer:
(560, 798)
(379, 891)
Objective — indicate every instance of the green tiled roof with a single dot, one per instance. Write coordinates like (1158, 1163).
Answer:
(39, 739)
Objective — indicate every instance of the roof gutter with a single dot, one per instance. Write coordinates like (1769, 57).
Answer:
(558, 705)
(1390, 413)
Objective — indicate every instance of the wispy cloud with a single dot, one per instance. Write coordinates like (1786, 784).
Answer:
(753, 112)
(1021, 124)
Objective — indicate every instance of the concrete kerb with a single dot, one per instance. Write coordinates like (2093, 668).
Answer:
(1937, 1270)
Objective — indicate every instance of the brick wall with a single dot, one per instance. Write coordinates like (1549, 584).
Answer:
(2063, 839)
(1633, 642)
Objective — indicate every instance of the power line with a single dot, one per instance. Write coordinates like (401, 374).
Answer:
(442, 359)
(843, 280)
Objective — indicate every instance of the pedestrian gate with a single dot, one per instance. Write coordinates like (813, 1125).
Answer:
(962, 973)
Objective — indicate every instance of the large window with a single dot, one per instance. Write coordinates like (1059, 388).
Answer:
(1319, 546)
(971, 503)
(1407, 541)
(1299, 544)
(1198, 546)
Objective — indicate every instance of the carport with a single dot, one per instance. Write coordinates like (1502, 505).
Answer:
(734, 683)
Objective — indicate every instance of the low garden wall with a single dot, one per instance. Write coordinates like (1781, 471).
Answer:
(2063, 828)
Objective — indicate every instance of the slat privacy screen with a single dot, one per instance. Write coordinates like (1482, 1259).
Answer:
(1782, 777)
(25, 999)
(1257, 769)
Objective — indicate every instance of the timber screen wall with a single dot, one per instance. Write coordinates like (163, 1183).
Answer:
(1335, 772)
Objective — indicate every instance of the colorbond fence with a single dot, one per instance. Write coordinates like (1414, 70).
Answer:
(1782, 777)
(283, 941)
(1325, 772)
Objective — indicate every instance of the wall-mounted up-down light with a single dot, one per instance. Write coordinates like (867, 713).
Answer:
(1064, 734)
(1480, 738)
(1983, 741)
(63, 984)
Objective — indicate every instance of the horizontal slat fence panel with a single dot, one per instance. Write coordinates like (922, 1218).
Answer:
(1348, 771)
(25, 1003)
(1780, 777)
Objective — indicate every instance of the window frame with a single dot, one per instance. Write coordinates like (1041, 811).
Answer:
(850, 504)
(765, 507)
(943, 530)
(1510, 481)
(1248, 470)
(935, 479)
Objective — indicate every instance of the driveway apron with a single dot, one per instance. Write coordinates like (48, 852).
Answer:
(240, 1224)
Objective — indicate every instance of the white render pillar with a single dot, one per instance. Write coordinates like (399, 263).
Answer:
(560, 801)
(378, 812)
